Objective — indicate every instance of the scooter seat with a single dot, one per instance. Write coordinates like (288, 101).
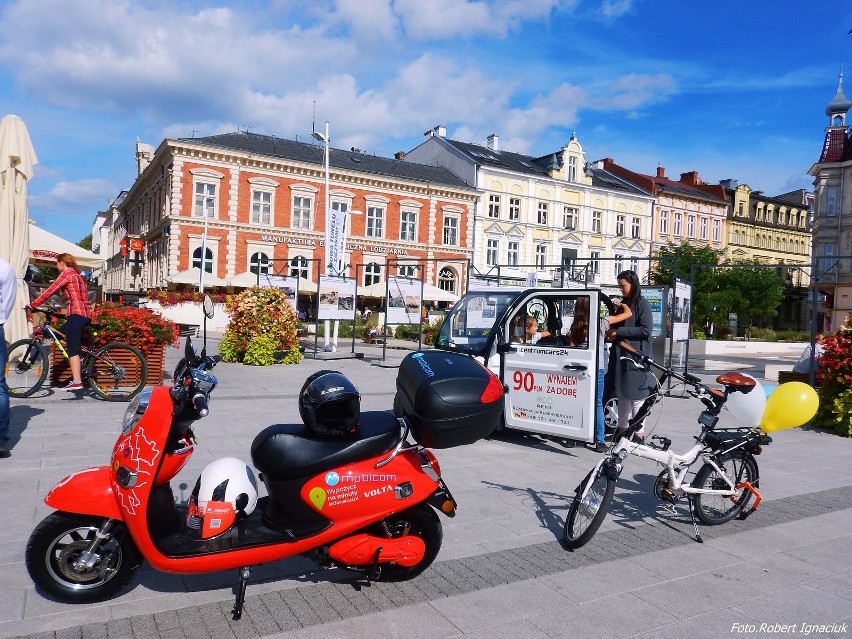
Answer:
(288, 451)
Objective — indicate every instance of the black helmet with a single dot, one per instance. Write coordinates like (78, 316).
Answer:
(329, 404)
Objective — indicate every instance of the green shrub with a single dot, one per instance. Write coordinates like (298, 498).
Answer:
(723, 333)
(228, 350)
(293, 356)
(762, 334)
(260, 351)
(699, 335)
(794, 336)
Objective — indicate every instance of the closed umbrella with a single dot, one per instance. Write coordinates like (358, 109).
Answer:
(17, 157)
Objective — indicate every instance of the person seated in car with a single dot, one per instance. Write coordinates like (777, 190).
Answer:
(531, 333)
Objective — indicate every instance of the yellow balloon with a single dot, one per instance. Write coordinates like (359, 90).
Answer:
(790, 405)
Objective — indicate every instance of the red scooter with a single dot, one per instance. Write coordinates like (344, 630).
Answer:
(364, 500)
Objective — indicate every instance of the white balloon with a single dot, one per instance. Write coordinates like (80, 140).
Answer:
(748, 407)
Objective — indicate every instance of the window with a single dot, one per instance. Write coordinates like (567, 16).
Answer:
(408, 226)
(619, 225)
(375, 221)
(635, 228)
(664, 222)
(703, 228)
(261, 208)
(572, 168)
(634, 265)
(299, 267)
(259, 263)
(596, 221)
(770, 215)
(828, 252)
(451, 231)
(208, 259)
(491, 252)
(741, 209)
(595, 262)
(690, 226)
(372, 274)
(569, 218)
(512, 253)
(541, 255)
(717, 230)
(494, 206)
(407, 270)
(514, 209)
(447, 280)
(759, 215)
(829, 194)
(678, 226)
(542, 213)
(782, 216)
(618, 264)
(302, 212)
(205, 200)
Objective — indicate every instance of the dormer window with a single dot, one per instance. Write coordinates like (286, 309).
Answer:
(572, 169)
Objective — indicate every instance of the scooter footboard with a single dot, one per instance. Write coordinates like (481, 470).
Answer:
(86, 492)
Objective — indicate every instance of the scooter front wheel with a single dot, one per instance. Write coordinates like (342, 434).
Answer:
(421, 521)
(62, 565)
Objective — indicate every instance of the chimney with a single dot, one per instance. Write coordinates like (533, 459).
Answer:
(494, 142)
(690, 178)
(144, 153)
(661, 171)
(399, 155)
(440, 131)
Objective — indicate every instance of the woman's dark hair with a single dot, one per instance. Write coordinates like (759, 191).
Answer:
(578, 334)
(635, 287)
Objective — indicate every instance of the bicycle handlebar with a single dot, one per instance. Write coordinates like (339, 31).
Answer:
(701, 389)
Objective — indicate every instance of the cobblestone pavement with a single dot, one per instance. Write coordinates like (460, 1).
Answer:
(501, 571)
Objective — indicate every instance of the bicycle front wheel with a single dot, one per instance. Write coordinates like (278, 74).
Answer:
(587, 514)
(117, 372)
(714, 509)
(26, 368)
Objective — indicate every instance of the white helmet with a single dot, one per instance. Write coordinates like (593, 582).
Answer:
(230, 484)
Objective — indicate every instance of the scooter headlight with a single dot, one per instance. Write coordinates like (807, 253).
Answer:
(135, 410)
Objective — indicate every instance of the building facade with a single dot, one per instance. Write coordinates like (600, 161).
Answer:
(685, 210)
(239, 203)
(555, 216)
(832, 225)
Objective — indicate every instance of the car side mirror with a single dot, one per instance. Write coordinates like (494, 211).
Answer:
(506, 347)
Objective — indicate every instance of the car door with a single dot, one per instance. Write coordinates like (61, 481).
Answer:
(552, 382)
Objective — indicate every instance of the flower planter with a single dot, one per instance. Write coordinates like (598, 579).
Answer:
(60, 370)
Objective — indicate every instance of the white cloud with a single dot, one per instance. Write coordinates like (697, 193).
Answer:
(72, 198)
(611, 9)
(442, 19)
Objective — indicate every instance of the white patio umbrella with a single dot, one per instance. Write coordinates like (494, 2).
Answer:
(192, 275)
(430, 293)
(17, 157)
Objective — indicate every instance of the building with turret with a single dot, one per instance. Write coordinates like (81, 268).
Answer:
(832, 224)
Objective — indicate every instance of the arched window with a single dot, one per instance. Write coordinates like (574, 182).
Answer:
(372, 274)
(407, 270)
(259, 263)
(208, 259)
(299, 267)
(447, 280)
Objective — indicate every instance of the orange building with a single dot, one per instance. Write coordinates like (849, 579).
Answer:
(241, 203)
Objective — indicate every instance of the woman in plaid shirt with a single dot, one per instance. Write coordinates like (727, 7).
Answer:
(78, 312)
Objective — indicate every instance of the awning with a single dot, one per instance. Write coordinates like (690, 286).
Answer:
(44, 247)
(192, 275)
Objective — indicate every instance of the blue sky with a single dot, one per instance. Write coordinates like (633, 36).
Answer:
(732, 89)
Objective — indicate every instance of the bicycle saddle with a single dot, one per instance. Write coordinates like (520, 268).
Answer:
(736, 381)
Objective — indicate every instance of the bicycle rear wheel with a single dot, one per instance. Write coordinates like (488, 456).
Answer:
(117, 372)
(587, 514)
(26, 368)
(713, 510)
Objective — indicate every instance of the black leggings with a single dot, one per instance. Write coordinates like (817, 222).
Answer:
(73, 330)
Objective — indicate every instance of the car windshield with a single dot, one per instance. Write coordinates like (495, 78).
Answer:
(470, 323)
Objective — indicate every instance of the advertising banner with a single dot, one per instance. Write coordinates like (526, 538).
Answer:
(335, 225)
(681, 309)
(336, 299)
(404, 300)
(290, 286)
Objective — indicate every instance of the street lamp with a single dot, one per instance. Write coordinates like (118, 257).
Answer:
(330, 268)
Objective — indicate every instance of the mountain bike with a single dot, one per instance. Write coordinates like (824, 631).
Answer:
(115, 372)
(721, 489)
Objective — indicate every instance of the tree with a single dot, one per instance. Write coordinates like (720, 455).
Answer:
(758, 289)
(86, 242)
(683, 261)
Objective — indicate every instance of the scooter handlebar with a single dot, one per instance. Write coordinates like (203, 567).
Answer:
(199, 402)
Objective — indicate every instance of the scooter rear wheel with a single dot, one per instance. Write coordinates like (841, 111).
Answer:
(57, 565)
(421, 521)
